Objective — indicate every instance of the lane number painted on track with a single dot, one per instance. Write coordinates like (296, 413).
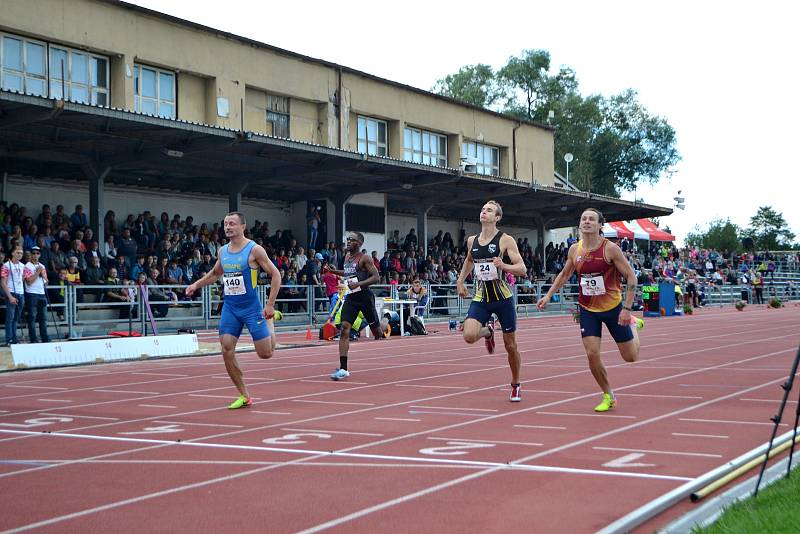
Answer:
(163, 429)
(455, 448)
(629, 460)
(38, 421)
(295, 439)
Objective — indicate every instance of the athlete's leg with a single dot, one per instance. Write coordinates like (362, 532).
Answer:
(630, 349)
(474, 330)
(592, 346)
(514, 358)
(228, 343)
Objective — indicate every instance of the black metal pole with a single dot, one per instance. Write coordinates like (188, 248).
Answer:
(787, 388)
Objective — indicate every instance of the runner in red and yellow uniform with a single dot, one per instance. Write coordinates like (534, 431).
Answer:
(599, 264)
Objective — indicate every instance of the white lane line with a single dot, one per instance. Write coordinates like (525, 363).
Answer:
(671, 453)
(397, 419)
(658, 396)
(454, 408)
(5, 411)
(542, 427)
(127, 391)
(271, 413)
(709, 386)
(334, 454)
(335, 402)
(159, 374)
(329, 381)
(34, 387)
(216, 396)
(332, 432)
(155, 406)
(547, 391)
(769, 400)
(730, 422)
(588, 415)
(53, 400)
(81, 416)
(710, 436)
(437, 387)
(415, 412)
(197, 424)
(467, 440)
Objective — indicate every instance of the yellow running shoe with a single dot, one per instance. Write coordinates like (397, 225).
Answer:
(241, 402)
(639, 324)
(608, 403)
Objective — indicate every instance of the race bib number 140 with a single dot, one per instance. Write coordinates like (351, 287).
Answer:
(234, 284)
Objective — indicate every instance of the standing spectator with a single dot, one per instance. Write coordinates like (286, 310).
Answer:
(331, 282)
(127, 247)
(758, 286)
(312, 221)
(13, 287)
(78, 219)
(35, 299)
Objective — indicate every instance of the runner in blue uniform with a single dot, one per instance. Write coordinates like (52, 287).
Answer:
(238, 264)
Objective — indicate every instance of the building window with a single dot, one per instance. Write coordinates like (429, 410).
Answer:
(78, 76)
(278, 115)
(486, 158)
(154, 91)
(23, 66)
(372, 137)
(420, 146)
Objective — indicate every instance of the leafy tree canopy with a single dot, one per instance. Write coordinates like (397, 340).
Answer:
(615, 141)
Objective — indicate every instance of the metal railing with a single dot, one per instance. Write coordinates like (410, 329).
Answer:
(82, 310)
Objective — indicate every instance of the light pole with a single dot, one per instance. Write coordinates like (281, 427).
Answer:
(568, 158)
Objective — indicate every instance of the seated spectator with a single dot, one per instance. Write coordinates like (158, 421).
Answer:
(78, 219)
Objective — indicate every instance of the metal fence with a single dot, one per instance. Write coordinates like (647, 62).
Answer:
(84, 310)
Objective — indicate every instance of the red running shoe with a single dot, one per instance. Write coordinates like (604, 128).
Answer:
(490, 340)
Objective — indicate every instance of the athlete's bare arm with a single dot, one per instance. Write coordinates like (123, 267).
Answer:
(465, 270)
(509, 246)
(259, 255)
(366, 264)
(562, 278)
(209, 278)
(617, 257)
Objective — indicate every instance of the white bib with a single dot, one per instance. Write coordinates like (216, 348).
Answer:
(485, 271)
(592, 285)
(347, 285)
(234, 284)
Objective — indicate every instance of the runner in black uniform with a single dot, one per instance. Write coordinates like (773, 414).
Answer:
(359, 273)
(492, 293)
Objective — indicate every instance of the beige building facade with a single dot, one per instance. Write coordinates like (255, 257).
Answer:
(110, 53)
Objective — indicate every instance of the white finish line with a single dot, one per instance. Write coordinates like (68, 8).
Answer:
(450, 461)
(102, 350)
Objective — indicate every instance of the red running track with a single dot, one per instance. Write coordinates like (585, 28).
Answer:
(420, 438)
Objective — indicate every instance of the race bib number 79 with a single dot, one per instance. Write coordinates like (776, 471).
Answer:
(592, 285)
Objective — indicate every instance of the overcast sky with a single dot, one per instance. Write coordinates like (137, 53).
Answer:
(724, 74)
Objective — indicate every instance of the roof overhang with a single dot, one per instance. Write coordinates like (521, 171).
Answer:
(49, 138)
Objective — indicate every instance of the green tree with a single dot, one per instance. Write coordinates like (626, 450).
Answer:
(615, 141)
(769, 230)
(473, 84)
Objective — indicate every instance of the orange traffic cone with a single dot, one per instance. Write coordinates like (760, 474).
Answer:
(308, 333)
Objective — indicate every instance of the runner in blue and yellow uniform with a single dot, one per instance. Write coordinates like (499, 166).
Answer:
(238, 264)
(599, 264)
(492, 293)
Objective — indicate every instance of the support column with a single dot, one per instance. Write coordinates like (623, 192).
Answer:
(540, 230)
(4, 186)
(96, 179)
(235, 196)
(422, 226)
(339, 202)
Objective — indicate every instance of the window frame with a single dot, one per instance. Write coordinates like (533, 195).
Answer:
(278, 115)
(24, 74)
(366, 140)
(414, 155)
(157, 100)
(68, 84)
(481, 167)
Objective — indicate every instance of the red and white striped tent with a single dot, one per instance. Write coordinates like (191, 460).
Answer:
(636, 229)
